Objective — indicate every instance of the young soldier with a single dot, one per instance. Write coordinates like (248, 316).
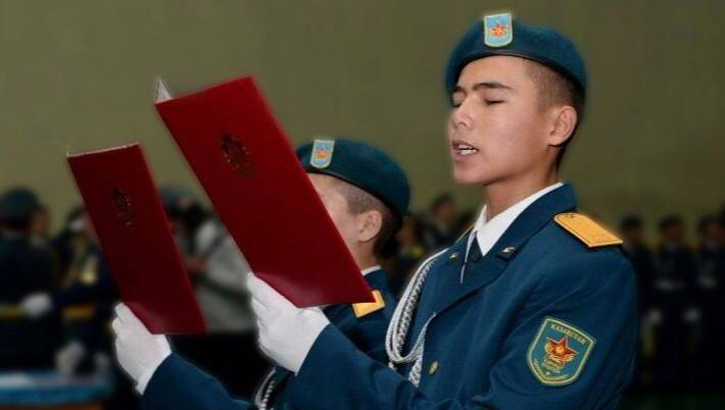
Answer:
(366, 194)
(532, 308)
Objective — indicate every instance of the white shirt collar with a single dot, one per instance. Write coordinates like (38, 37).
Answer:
(371, 269)
(488, 232)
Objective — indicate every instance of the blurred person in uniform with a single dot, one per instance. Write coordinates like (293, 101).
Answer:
(535, 307)
(220, 289)
(440, 229)
(673, 310)
(642, 259)
(709, 357)
(410, 252)
(186, 214)
(25, 268)
(366, 194)
(85, 301)
(69, 241)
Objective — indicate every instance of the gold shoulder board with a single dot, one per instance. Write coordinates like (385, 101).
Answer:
(588, 231)
(362, 309)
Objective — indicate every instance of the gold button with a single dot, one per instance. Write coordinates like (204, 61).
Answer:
(433, 367)
(454, 255)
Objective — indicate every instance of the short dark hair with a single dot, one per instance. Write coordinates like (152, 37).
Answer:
(705, 222)
(669, 221)
(359, 201)
(631, 221)
(441, 200)
(556, 89)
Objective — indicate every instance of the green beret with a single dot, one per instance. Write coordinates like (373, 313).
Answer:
(500, 34)
(362, 165)
(18, 203)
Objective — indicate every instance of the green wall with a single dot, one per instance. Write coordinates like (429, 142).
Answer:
(78, 75)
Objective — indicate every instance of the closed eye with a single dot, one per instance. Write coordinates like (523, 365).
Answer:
(492, 102)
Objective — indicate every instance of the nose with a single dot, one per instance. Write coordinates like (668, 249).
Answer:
(461, 116)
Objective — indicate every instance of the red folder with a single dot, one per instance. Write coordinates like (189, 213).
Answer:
(127, 216)
(257, 185)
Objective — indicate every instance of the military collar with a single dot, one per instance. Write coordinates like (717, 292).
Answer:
(529, 222)
(371, 269)
(487, 232)
(533, 218)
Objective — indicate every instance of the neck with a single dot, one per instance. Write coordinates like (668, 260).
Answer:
(364, 260)
(503, 194)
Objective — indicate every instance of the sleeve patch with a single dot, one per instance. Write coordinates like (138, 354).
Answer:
(558, 353)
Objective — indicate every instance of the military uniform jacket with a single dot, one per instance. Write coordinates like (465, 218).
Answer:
(542, 321)
(179, 385)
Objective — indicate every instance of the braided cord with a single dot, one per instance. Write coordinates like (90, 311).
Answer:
(402, 319)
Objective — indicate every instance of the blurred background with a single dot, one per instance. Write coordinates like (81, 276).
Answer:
(79, 75)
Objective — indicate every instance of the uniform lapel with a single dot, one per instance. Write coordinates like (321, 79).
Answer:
(530, 221)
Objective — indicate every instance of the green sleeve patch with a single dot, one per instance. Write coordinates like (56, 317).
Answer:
(558, 352)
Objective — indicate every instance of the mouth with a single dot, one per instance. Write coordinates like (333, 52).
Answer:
(463, 149)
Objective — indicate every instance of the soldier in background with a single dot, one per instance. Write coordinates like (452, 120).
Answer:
(710, 293)
(410, 252)
(672, 305)
(441, 227)
(642, 260)
(24, 268)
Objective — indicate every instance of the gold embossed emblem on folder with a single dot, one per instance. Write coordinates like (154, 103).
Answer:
(237, 155)
(122, 205)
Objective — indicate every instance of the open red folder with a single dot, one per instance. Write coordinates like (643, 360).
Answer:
(257, 185)
(126, 212)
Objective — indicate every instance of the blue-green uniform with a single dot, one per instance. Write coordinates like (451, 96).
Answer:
(179, 385)
(24, 269)
(542, 321)
(545, 319)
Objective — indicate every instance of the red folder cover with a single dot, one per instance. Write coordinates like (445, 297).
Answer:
(257, 185)
(127, 216)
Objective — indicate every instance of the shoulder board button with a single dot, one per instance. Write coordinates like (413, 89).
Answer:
(363, 309)
(586, 230)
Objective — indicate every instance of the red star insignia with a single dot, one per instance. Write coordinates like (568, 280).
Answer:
(559, 350)
(498, 30)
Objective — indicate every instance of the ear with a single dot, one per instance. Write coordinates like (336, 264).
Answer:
(369, 224)
(563, 123)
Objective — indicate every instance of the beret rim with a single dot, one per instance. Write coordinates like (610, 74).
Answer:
(529, 56)
(394, 209)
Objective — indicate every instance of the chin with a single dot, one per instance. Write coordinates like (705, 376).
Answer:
(470, 176)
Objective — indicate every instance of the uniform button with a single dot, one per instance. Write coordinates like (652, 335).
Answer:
(433, 367)
(454, 255)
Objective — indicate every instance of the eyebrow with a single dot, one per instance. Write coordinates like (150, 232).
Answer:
(491, 85)
(494, 85)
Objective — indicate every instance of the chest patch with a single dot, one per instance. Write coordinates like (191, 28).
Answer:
(586, 230)
(558, 353)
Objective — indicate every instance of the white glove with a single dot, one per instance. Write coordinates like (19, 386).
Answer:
(286, 332)
(68, 358)
(138, 351)
(36, 305)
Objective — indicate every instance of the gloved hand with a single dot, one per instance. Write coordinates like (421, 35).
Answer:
(138, 351)
(36, 305)
(68, 358)
(286, 332)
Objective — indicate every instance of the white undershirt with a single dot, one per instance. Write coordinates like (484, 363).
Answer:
(488, 232)
(370, 269)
